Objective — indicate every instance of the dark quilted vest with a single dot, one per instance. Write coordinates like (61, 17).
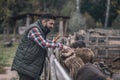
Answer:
(30, 57)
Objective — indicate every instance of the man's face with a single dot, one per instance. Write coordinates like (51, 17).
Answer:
(49, 23)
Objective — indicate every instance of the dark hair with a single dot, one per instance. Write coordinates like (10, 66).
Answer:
(47, 16)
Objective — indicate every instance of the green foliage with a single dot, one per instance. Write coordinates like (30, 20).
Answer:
(97, 9)
(76, 22)
(116, 23)
(90, 22)
(68, 8)
(5, 10)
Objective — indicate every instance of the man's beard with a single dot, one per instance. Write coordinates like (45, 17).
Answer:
(49, 27)
(47, 30)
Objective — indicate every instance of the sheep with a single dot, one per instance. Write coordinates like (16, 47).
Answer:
(90, 72)
(77, 69)
(86, 54)
(71, 63)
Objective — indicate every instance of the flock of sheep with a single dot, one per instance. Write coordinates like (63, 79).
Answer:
(78, 62)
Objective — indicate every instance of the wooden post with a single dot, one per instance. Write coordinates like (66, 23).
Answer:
(27, 20)
(4, 34)
(7, 35)
(107, 44)
(65, 27)
(61, 27)
(14, 31)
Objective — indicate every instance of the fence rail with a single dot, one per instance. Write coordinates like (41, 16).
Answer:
(54, 70)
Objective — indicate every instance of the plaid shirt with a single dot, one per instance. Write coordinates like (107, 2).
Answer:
(36, 36)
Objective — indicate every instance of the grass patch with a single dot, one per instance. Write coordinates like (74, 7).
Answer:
(7, 54)
(2, 70)
(10, 37)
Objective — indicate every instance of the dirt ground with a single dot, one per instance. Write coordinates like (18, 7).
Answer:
(12, 75)
(9, 75)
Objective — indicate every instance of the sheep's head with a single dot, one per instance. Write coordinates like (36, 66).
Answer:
(67, 53)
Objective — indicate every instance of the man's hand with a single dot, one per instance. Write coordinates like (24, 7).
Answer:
(66, 47)
(56, 38)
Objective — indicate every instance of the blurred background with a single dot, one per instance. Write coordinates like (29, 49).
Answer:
(72, 16)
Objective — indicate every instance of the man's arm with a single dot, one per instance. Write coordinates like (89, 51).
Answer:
(36, 36)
